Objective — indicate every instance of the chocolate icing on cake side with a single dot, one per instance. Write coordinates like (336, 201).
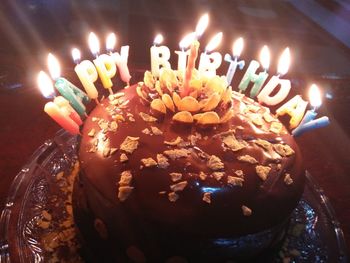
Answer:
(224, 180)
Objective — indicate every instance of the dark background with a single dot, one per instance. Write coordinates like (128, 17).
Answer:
(316, 32)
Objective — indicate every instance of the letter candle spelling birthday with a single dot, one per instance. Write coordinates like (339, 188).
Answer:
(74, 95)
(159, 56)
(237, 48)
(251, 76)
(183, 54)
(285, 86)
(309, 122)
(209, 63)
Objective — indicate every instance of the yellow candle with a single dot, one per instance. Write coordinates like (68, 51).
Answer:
(87, 74)
(106, 69)
(295, 108)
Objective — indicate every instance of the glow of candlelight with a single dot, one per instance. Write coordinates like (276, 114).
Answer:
(202, 25)
(187, 40)
(214, 42)
(54, 66)
(158, 39)
(76, 55)
(45, 85)
(265, 57)
(315, 96)
(94, 44)
(111, 41)
(284, 62)
(237, 47)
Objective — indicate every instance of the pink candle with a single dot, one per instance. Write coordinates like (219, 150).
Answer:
(190, 66)
(59, 115)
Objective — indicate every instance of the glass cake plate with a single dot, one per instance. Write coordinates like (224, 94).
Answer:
(37, 225)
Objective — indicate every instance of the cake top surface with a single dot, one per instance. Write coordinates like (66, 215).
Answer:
(147, 147)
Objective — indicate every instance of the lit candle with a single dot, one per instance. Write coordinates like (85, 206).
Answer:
(251, 76)
(209, 63)
(120, 59)
(295, 108)
(202, 25)
(76, 55)
(87, 74)
(309, 122)
(185, 89)
(74, 95)
(285, 85)
(184, 44)
(236, 52)
(59, 110)
(104, 63)
(160, 56)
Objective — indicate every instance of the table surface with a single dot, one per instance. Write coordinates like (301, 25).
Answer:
(30, 29)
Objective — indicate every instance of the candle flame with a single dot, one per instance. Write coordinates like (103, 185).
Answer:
(237, 47)
(202, 25)
(54, 66)
(76, 54)
(315, 96)
(45, 85)
(284, 62)
(214, 42)
(111, 41)
(265, 57)
(187, 40)
(158, 39)
(94, 44)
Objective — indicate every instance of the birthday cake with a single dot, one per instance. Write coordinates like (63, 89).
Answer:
(164, 176)
(179, 167)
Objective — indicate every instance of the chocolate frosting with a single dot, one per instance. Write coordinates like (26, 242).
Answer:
(270, 201)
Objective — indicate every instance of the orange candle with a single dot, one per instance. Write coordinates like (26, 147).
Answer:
(190, 66)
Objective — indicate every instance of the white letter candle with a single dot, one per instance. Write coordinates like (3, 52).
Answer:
(59, 110)
(285, 85)
(294, 108)
(209, 63)
(75, 96)
(251, 76)
(236, 51)
(184, 44)
(308, 122)
(159, 56)
(87, 74)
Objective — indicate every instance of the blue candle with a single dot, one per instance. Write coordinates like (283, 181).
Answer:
(73, 94)
(233, 66)
(236, 51)
(314, 124)
(70, 92)
(309, 122)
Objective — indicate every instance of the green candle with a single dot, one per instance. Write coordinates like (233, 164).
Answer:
(251, 76)
(74, 95)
